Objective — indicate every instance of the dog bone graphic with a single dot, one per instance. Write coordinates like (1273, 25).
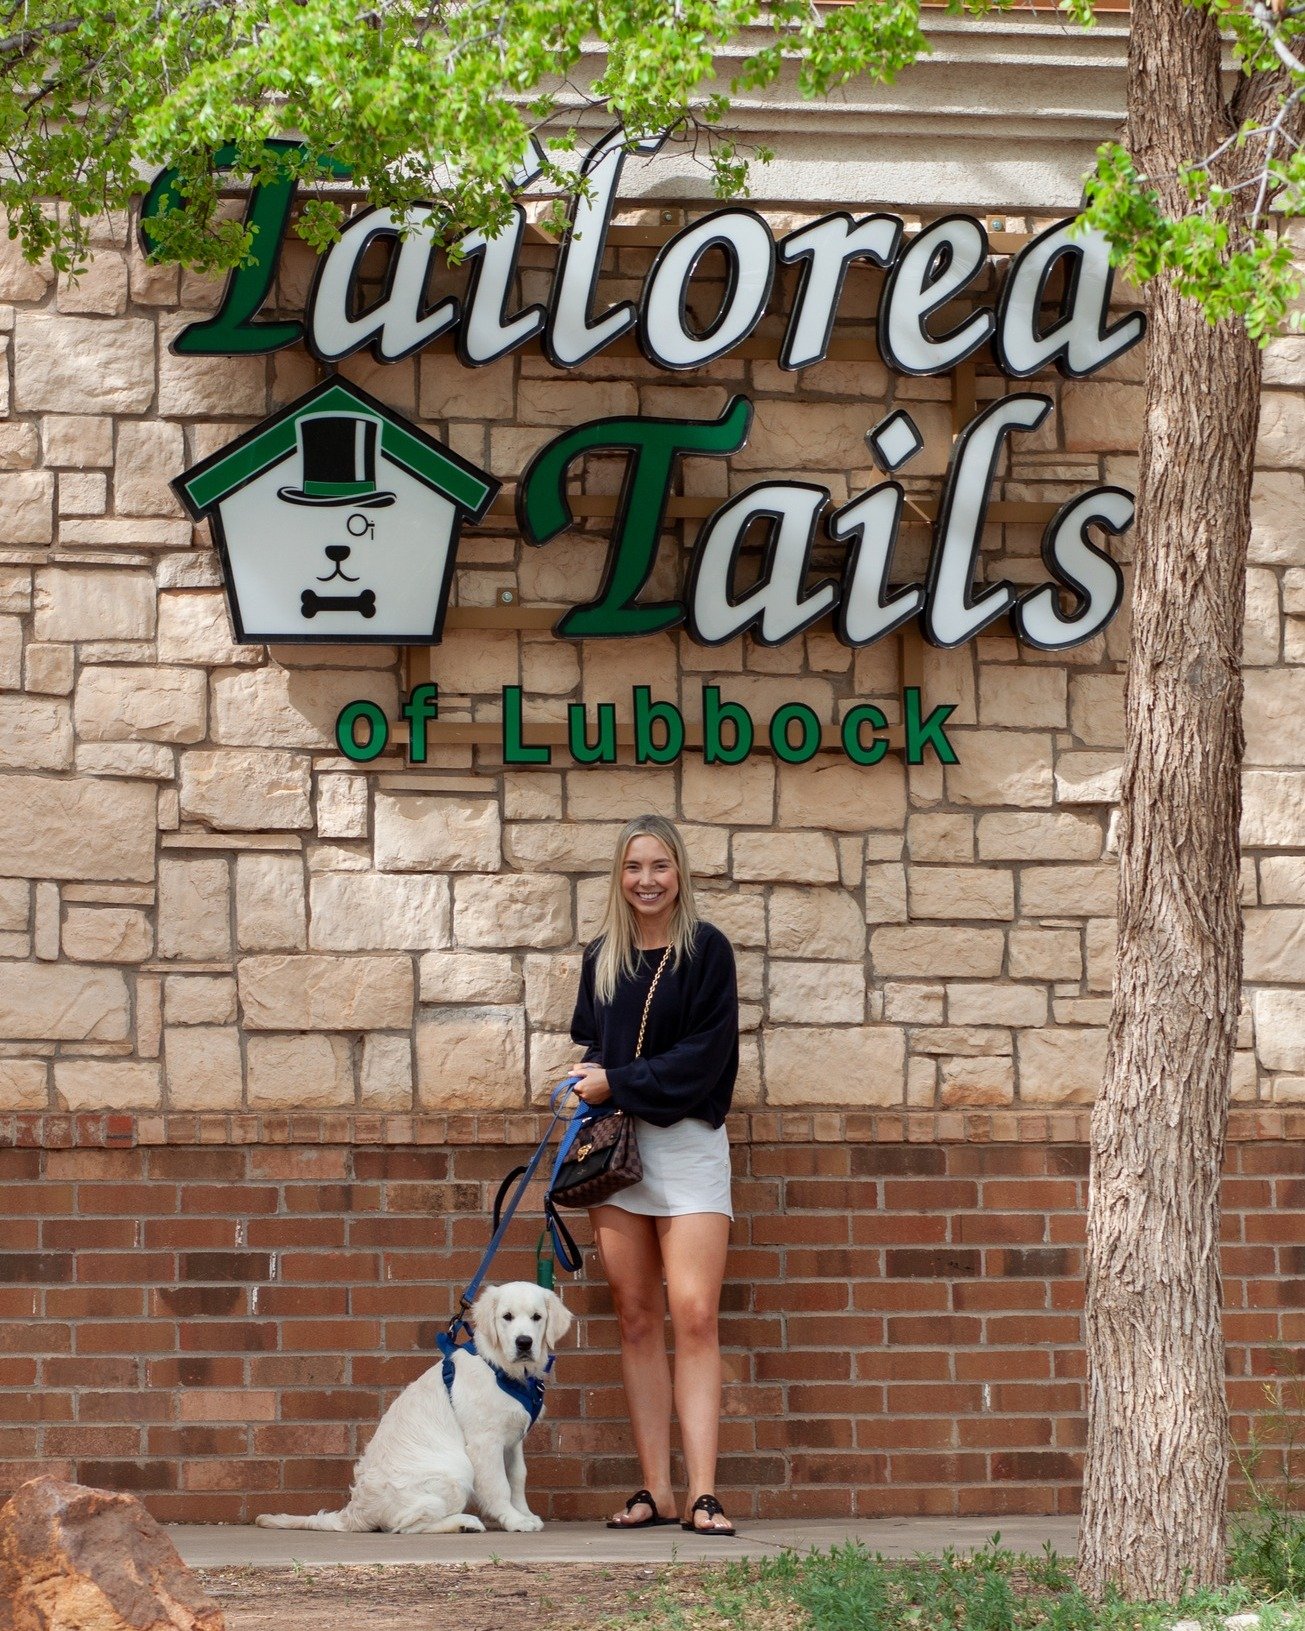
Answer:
(310, 603)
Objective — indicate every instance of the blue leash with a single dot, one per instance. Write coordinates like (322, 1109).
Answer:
(564, 1247)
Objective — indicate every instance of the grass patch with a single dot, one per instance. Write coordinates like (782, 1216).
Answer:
(1267, 1552)
(994, 1589)
(1267, 1546)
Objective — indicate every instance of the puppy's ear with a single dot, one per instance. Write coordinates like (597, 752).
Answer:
(558, 1322)
(482, 1310)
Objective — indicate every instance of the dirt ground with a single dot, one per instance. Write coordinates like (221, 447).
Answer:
(442, 1597)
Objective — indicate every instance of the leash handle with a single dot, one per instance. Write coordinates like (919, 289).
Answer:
(583, 1113)
(502, 1191)
(568, 1254)
(560, 1092)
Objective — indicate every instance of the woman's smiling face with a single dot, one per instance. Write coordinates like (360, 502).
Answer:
(651, 884)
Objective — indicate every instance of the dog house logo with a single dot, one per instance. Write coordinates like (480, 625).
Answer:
(337, 520)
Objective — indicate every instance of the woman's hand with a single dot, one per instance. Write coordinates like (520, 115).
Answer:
(593, 1086)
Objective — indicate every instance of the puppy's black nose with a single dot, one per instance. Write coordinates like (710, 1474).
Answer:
(525, 1344)
(338, 552)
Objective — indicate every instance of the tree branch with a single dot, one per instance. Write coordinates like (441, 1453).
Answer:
(23, 43)
(1270, 99)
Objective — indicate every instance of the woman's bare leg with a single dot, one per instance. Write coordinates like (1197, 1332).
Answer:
(631, 1257)
(693, 1248)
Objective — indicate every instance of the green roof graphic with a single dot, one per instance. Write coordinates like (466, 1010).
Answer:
(209, 482)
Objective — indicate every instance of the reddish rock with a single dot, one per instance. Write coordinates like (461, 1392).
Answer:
(78, 1559)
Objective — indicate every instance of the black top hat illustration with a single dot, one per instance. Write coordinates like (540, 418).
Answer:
(339, 462)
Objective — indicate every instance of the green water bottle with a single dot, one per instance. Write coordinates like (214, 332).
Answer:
(544, 1261)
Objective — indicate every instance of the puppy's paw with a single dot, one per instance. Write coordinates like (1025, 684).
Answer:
(519, 1523)
(469, 1524)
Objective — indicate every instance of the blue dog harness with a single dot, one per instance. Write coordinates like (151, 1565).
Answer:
(529, 1393)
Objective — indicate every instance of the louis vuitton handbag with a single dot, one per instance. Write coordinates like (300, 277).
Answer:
(605, 1155)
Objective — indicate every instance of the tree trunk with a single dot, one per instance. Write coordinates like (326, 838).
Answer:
(1156, 1471)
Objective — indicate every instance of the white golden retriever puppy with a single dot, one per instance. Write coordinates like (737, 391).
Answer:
(438, 1446)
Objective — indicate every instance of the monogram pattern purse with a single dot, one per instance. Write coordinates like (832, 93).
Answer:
(605, 1155)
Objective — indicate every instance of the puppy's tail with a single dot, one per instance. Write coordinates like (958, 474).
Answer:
(336, 1521)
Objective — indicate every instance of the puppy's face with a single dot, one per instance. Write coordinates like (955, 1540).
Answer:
(518, 1325)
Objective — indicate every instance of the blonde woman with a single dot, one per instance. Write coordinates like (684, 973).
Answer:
(662, 1242)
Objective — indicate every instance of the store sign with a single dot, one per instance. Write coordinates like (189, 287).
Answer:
(303, 489)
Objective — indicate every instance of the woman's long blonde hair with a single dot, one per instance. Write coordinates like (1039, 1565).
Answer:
(618, 944)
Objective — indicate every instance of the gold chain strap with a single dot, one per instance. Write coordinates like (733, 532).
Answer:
(643, 1023)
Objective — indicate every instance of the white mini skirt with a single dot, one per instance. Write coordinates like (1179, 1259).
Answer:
(686, 1168)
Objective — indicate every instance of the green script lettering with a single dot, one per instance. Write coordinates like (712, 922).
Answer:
(232, 331)
(653, 446)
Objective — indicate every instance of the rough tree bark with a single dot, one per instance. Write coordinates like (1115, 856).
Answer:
(1156, 1470)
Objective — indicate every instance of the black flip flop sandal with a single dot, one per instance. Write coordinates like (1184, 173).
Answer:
(712, 1507)
(644, 1498)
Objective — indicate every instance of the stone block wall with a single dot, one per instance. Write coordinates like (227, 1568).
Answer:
(203, 906)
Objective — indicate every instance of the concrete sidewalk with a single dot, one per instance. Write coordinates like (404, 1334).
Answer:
(209, 1546)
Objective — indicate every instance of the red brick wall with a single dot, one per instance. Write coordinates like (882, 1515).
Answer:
(216, 1322)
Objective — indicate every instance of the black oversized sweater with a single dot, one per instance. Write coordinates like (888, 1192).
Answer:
(691, 1046)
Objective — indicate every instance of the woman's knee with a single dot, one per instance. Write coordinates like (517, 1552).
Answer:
(640, 1316)
(696, 1321)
